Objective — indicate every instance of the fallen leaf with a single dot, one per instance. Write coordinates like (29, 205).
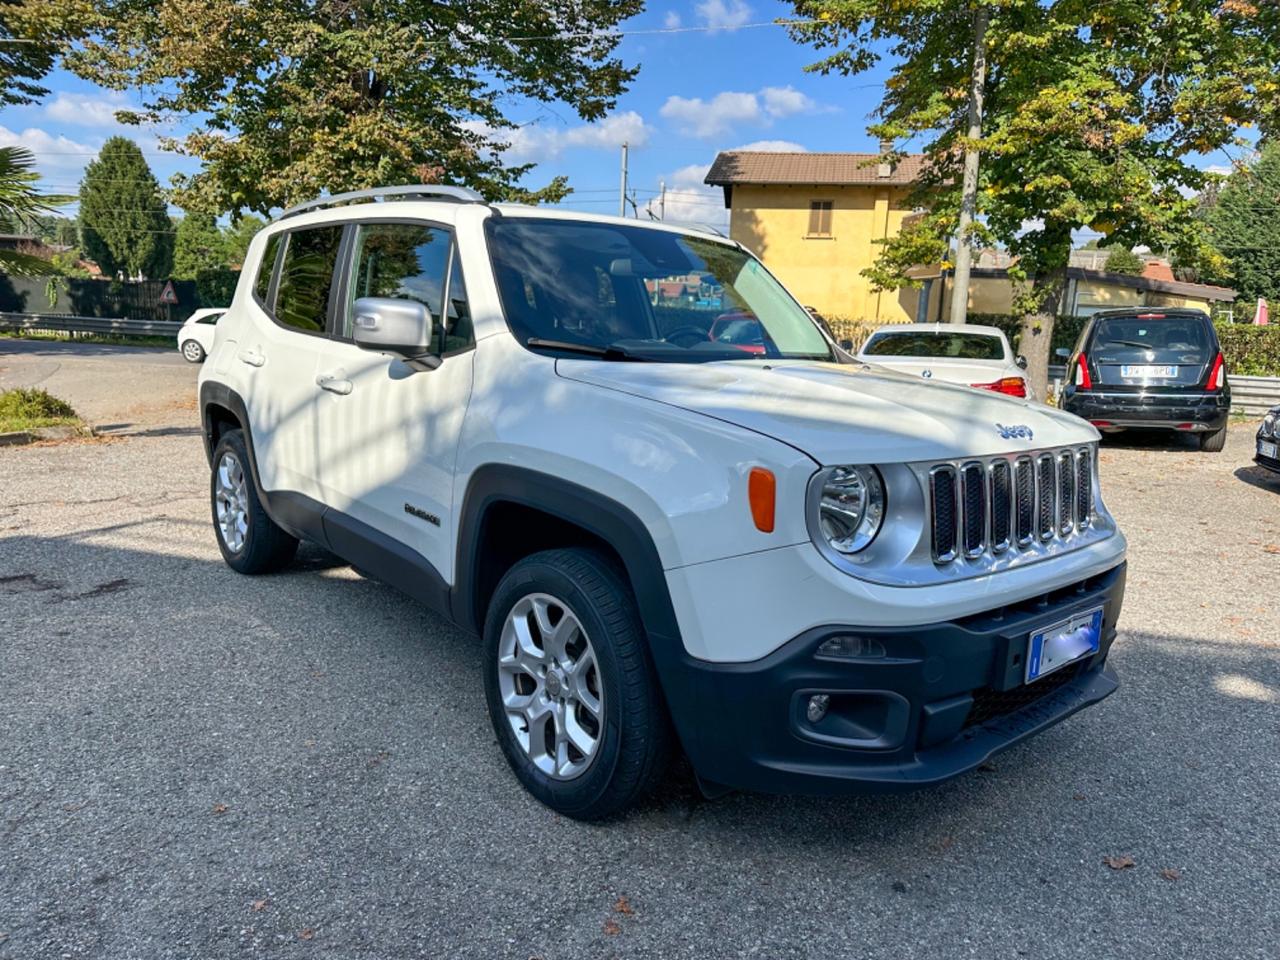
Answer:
(306, 934)
(623, 906)
(259, 906)
(1078, 796)
(220, 808)
(1120, 863)
(987, 767)
(1171, 873)
(611, 929)
(1272, 548)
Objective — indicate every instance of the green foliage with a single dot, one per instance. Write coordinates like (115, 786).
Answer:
(294, 99)
(20, 205)
(26, 54)
(124, 223)
(215, 287)
(236, 238)
(198, 246)
(1244, 222)
(1094, 115)
(1250, 351)
(1125, 262)
(28, 409)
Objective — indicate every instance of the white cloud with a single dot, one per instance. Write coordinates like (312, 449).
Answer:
(774, 146)
(672, 20)
(689, 200)
(722, 15)
(59, 159)
(86, 111)
(533, 143)
(696, 117)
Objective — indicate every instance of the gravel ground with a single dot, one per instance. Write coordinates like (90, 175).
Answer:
(197, 764)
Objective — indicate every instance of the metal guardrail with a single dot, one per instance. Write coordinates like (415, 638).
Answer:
(36, 323)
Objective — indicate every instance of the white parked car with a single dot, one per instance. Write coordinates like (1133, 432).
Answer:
(972, 355)
(809, 575)
(195, 336)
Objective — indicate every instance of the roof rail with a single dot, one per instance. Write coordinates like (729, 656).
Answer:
(457, 194)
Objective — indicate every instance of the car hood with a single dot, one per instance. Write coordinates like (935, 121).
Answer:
(842, 413)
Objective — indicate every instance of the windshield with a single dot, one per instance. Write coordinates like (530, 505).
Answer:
(648, 294)
(923, 343)
(1164, 340)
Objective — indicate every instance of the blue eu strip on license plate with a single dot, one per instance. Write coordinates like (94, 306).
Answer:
(1063, 643)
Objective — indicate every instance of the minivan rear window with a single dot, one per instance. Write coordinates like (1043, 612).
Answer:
(1151, 339)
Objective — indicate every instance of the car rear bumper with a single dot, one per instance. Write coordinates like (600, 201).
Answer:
(1168, 411)
(936, 700)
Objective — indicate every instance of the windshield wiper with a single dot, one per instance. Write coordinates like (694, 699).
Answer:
(1130, 343)
(612, 352)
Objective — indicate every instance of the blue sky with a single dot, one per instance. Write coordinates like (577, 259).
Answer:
(710, 80)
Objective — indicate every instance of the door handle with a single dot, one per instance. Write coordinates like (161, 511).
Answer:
(338, 385)
(252, 358)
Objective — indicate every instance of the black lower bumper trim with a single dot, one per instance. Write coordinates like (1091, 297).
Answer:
(921, 705)
(1195, 412)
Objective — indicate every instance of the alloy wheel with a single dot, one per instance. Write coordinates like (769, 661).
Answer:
(549, 680)
(231, 498)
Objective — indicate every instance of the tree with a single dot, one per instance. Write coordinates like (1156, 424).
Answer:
(21, 206)
(236, 238)
(1093, 117)
(1125, 262)
(198, 246)
(124, 223)
(1244, 224)
(299, 98)
(27, 52)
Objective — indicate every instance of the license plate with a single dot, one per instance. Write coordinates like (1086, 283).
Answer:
(1147, 371)
(1063, 643)
(1268, 450)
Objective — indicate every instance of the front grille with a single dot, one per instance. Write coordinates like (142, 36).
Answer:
(985, 508)
(989, 704)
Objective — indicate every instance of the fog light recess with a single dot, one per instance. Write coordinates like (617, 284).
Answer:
(817, 707)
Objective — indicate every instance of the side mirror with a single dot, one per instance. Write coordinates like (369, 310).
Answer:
(402, 327)
(1062, 352)
(1021, 362)
(846, 345)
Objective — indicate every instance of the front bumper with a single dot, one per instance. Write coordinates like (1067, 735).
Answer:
(1195, 412)
(941, 699)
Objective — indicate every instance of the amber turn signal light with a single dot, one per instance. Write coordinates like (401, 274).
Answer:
(762, 492)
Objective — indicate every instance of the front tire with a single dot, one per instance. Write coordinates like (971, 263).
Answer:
(193, 352)
(572, 693)
(1214, 442)
(250, 541)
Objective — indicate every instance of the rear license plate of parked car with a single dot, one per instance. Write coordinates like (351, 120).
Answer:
(1147, 371)
(1268, 450)
(1063, 643)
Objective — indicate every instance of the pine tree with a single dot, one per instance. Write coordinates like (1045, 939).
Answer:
(123, 219)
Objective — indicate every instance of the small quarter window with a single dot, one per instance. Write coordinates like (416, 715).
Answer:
(306, 278)
(820, 218)
(458, 332)
(265, 268)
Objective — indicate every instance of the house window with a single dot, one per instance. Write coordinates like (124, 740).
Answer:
(820, 218)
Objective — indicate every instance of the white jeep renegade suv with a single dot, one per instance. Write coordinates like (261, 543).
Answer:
(626, 457)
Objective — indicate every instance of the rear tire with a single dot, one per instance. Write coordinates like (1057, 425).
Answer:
(193, 352)
(250, 541)
(1214, 442)
(572, 693)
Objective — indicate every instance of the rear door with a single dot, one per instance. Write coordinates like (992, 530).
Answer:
(1169, 352)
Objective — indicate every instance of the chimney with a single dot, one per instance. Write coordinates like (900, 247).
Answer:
(885, 168)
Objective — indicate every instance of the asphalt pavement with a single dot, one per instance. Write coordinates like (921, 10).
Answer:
(196, 764)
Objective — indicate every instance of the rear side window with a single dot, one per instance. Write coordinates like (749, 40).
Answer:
(306, 278)
(403, 261)
(265, 268)
(962, 346)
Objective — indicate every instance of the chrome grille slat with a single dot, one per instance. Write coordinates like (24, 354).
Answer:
(984, 508)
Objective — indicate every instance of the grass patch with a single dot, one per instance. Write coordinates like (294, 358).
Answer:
(110, 339)
(30, 409)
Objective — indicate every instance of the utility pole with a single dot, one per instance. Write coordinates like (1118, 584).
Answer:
(662, 199)
(969, 185)
(622, 186)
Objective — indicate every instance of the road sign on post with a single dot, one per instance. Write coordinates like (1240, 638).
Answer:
(168, 294)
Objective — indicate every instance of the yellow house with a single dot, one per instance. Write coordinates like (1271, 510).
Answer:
(813, 219)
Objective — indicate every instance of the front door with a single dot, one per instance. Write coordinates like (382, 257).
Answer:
(388, 431)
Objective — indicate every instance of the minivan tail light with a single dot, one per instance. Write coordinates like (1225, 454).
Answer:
(1217, 374)
(1082, 372)
(1011, 386)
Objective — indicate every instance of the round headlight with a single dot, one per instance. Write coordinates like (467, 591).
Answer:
(851, 508)
(1269, 425)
